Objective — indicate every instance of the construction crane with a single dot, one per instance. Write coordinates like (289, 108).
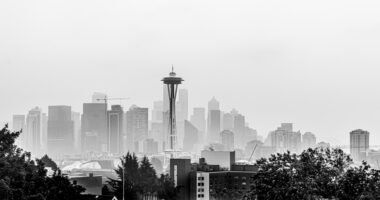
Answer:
(111, 99)
(254, 149)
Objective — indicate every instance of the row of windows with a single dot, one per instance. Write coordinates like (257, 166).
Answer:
(201, 195)
(201, 178)
(201, 190)
(201, 184)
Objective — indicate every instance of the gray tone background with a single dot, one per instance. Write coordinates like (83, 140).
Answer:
(313, 63)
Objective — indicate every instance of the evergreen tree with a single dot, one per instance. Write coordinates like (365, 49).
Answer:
(129, 171)
(22, 178)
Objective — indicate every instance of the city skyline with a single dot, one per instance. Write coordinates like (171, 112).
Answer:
(318, 71)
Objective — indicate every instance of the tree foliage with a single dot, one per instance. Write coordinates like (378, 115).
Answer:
(140, 180)
(314, 174)
(48, 162)
(22, 178)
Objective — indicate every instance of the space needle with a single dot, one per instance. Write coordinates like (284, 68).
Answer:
(172, 82)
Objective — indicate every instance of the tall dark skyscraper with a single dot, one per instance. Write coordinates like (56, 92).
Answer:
(94, 127)
(60, 133)
(359, 144)
(116, 130)
(137, 128)
(213, 121)
(172, 82)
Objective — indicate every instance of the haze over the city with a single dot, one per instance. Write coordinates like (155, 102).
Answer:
(314, 64)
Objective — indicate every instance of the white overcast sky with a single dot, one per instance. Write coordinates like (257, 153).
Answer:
(313, 63)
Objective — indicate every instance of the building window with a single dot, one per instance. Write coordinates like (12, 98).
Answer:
(201, 196)
(201, 178)
(201, 184)
(201, 190)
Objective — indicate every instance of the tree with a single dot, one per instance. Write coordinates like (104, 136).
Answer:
(22, 178)
(167, 190)
(148, 177)
(314, 174)
(129, 171)
(141, 181)
(48, 162)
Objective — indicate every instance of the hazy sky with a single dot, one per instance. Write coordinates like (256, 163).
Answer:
(313, 63)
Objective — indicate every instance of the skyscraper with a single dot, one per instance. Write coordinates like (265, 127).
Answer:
(157, 127)
(34, 131)
(60, 137)
(182, 105)
(359, 144)
(157, 110)
(137, 128)
(228, 121)
(76, 117)
(181, 115)
(94, 127)
(213, 122)
(213, 104)
(228, 140)
(308, 140)
(18, 124)
(191, 137)
(285, 139)
(240, 130)
(44, 135)
(198, 119)
(115, 130)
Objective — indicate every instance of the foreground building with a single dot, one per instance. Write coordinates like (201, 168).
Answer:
(202, 181)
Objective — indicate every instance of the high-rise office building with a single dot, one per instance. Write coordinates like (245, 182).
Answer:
(213, 126)
(191, 137)
(240, 130)
(359, 144)
(158, 108)
(228, 140)
(137, 127)
(60, 134)
(34, 131)
(115, 130)
(182, 108)
(76, 117)
(150, 146)
(44, 133)
(18, 124)
(285, 139)
(308, 140)
(213, 121)
(156, 126)
(198, 119)
(228, 121)
(213, 104)
(94, 127)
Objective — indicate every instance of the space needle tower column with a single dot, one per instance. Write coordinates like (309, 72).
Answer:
(172, 82)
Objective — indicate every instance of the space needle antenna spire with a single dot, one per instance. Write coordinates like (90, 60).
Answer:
(172, 82)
